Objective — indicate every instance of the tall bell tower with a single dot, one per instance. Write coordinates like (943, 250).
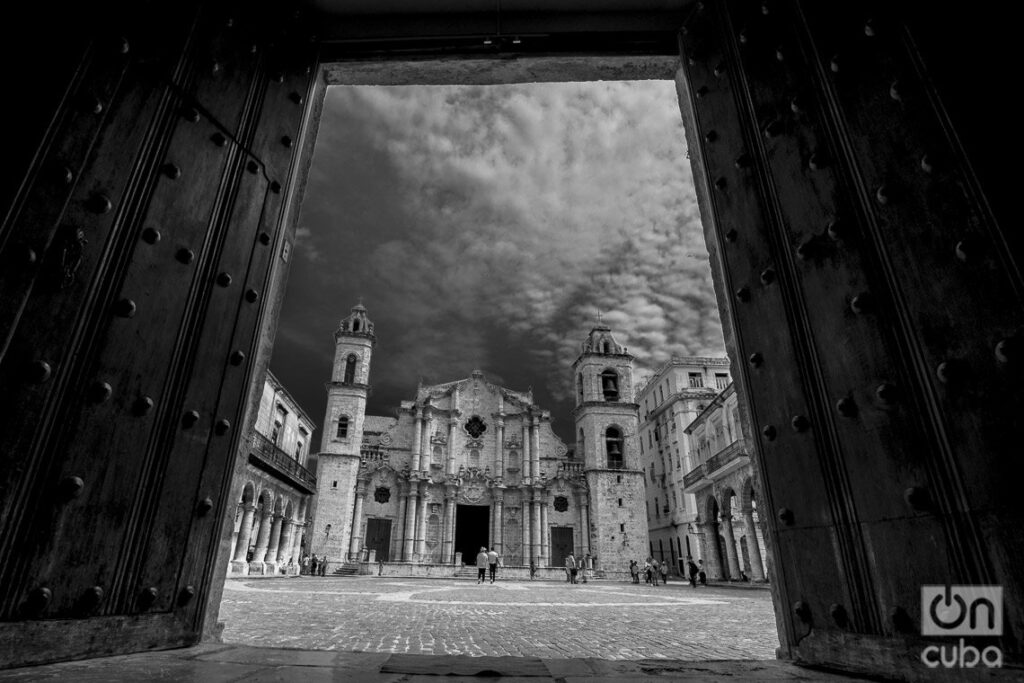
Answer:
(607, 421)
(338, 460)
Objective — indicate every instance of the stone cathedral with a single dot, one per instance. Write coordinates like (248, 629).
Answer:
(468, 463)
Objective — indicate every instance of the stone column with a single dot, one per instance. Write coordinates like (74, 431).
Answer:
(453, 422)
(545, 532)
(535, 449)
(397, 541)
(410, 523)
(417, 437)
(725, 526)
(447, 525)
(584, 503)
(244, 533)
(753, 549)
(525, 516)
(297, 528)
(712, 555)
(426, 448)
(499, 508)
(535, 530)
(275, 538)
(499, 451)
(527, 460)
(421, 531)
(284, 552)
(263, 536)
(356, 538)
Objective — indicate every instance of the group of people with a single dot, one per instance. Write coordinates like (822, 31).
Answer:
(655, 571)
(314, 566)
(574, 568)
(486, 560)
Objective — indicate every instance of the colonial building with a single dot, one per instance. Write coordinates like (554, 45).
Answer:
(271, 516)
(669, 401)
(468, 463)
(720, 475)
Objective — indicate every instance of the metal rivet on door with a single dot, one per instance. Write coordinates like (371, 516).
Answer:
(142, 406)
(125, 308)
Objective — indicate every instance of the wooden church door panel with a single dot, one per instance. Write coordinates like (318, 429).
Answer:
(122, 448)
(868, 355)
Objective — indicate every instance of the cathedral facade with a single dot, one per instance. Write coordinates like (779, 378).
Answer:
(468, 463)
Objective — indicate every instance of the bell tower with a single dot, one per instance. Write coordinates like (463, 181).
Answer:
(606, 422)
(338, 460)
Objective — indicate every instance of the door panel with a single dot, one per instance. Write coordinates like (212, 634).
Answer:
(869, 301)
(561, 545)
(153, 216)
(378, 537)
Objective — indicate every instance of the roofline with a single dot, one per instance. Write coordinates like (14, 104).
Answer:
(298, 408)
(710, 361)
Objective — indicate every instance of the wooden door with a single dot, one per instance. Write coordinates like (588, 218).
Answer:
(378, 537)
(561, 545)
(872, 308)
(137, 250)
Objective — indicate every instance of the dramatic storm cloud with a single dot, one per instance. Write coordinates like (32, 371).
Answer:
(485, 226)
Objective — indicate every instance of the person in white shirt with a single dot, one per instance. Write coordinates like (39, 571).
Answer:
(492, 562)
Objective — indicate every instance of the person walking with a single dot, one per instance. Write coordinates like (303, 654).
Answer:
(634, 570)
(655, 572)
(701, 574)
(314, 565)
(691, 569)
(533, 569)
(323, 566)
(570, 568)
(305, 564)
(583, 569)
(647, 570)
(481, 565)
(492, 562)
(664, 572)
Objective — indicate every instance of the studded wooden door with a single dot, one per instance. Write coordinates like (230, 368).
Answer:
(873, 313)
(136, 253)
(378, 537)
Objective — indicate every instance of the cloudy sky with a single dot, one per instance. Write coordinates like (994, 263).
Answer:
(484, 226)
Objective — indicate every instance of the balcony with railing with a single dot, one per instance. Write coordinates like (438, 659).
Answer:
(700, 475)
(265, 454)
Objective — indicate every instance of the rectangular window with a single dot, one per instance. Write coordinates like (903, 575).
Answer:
(620, 502)
(622, 528)
(657, 512)
(721, 380)
(696, 379)
(334, 484)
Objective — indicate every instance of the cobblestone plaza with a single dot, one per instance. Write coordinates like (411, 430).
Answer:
(548, 619)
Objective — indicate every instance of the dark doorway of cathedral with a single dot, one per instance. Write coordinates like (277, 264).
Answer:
(378, 537)
(561, 544)
(471, 532)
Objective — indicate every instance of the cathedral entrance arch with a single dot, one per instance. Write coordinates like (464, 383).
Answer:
(561, 544)
(471, 532)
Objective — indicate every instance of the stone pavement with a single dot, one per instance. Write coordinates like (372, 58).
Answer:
(543, 619)
(214, 663)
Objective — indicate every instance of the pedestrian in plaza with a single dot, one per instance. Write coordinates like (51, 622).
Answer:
(664, 572)
(481, 565)
(492, 562)
(305, 564)
(692, 570)
(314, 565)
(701, 574)
(533, 569)
(647, 570)
(570, 568)
(634, 570)
(655, 571)
(380, 568)
(323, 566)
(582, 562)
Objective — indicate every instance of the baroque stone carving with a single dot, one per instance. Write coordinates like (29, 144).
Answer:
(382, 494)
(561, 503)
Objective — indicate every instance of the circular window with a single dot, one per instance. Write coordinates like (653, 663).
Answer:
(561, 503)
(475, 427)
(382, 494)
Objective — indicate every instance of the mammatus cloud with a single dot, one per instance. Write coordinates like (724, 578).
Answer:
(502, 219)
